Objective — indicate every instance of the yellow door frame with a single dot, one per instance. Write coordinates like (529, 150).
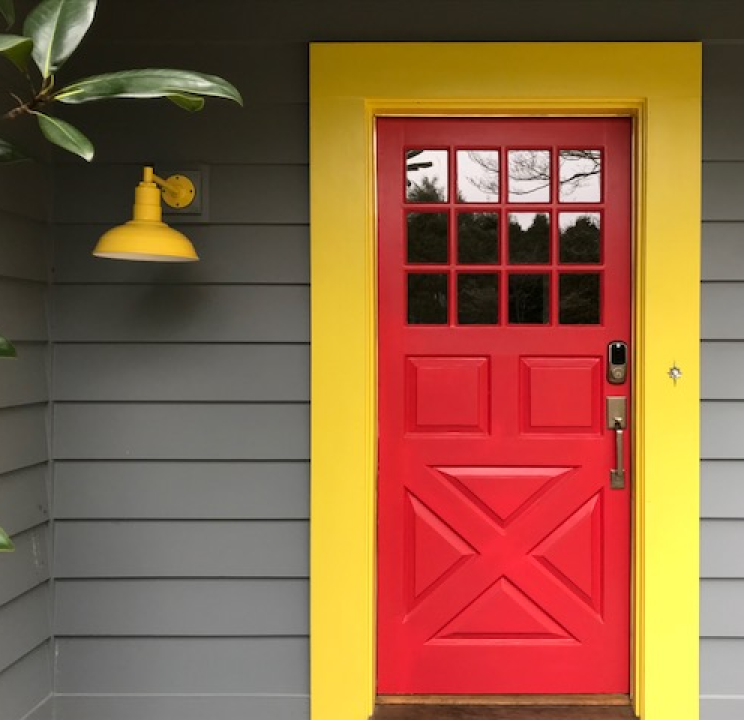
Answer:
(659, 86)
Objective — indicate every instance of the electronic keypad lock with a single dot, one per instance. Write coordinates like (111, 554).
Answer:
(617, 362)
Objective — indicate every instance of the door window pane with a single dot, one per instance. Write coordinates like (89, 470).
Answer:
(580, 176)
(579, 298)
(529, 176)
(427, 299)
(529, 238)
(427, 237)
(579, 237)
(477, 238)
(426, 175)
(529, 302)
(477, 176)
(477, 298)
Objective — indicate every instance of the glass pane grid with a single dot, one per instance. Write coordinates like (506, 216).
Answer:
(530, 254)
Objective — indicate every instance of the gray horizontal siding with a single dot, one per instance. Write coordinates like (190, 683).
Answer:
(721, 666)
(721, 432)
(182, 665)
(24, 493)
(723, 185)
(227, 254)
(24, 310)
(265, 133)
(181, 549)
(722, 493)
(182, 608)
(717, 302)
(25, 611)
(722, 412)
(24, 625)
(43, 711)
(27, 566)
(181, 410)
(23, 249)
(24, 192)
(720, 549)
(723, 707)
(719, 597)
(24, 380)
(721, 256)
(138, 372)
(26, 684)
(182, 432)
(237, 193)
(23, 439)
(172, 313)
(722, 379)
(182, 490)
(723, 103)
(188, 707)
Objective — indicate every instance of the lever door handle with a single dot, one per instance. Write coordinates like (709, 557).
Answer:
(617, 474)
(617, 413)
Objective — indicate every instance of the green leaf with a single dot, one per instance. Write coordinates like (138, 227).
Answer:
(9, 153)
(17, 49)
(6, 348)
(7, 10)
(149, 83)
(6, 544)
(192, 103)
(57, 27)
(66, 136)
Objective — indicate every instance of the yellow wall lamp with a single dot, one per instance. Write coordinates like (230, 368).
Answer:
(146, 236)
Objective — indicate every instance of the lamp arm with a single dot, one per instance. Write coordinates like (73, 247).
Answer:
(165, 184)
(178, 190)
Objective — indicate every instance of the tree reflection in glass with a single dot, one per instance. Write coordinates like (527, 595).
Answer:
(477, 238)
(478, 176)
(427, 237)
(477, 298)
(427, 299)
(580, 176)
(426, 175)
(579, 238)
(529, 176)
(528, 299)
(579, 299)
(529, 238)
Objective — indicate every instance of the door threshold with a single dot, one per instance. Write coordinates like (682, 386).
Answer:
(503, 707)
(531, 700)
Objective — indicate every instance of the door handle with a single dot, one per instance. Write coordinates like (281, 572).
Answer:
(617, 474)
(616, 421)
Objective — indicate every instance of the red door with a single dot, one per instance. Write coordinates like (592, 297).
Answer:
(504, 275)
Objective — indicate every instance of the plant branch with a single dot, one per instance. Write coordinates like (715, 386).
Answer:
(28, 107)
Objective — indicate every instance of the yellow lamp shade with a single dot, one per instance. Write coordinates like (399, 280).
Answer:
(145, 240)
(146, 236)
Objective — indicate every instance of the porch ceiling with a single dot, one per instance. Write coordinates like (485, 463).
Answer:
(239, 21)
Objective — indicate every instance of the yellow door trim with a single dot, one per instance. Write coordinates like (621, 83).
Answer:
(659, 85)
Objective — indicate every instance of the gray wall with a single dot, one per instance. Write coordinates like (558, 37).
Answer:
(181, 393)
(722, 451)
(25, 609)
(181, 409)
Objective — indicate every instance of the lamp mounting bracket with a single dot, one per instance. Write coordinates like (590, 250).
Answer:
(178, 190)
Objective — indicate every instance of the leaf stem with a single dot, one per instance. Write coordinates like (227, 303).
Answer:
(39, 100)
